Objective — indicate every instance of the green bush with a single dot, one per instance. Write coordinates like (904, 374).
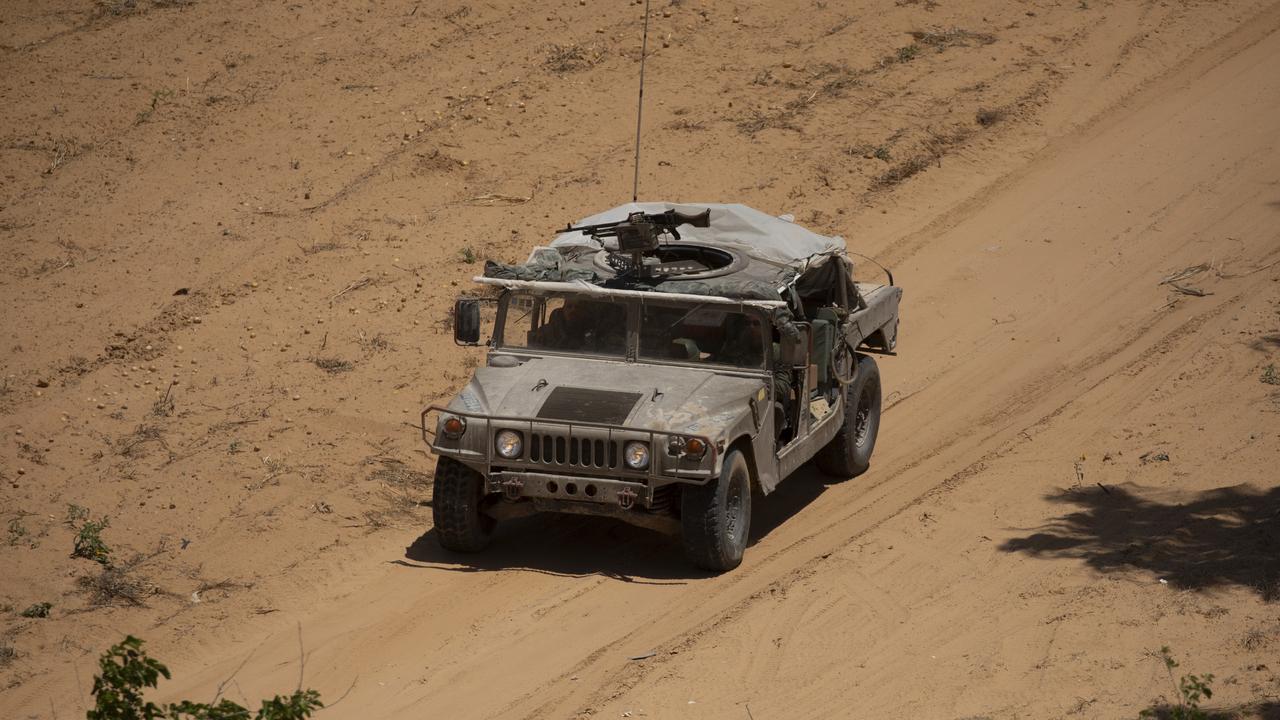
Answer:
(1191, 690)
(126, 672)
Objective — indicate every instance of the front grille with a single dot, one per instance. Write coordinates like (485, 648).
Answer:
(582, 452)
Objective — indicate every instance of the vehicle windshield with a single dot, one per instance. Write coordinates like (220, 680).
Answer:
(703, 334)
(566, 324)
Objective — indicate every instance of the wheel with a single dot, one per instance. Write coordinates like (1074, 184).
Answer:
(849, 452)
(716, 517)
(455, 506)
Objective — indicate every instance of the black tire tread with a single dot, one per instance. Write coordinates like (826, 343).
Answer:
(841, 457)
(455, 508)
(703, 511)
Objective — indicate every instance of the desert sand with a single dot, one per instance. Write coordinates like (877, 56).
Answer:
(231, 234)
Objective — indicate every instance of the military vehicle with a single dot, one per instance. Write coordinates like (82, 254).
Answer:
(659, 364)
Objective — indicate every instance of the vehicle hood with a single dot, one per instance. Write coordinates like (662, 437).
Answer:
(670, 398)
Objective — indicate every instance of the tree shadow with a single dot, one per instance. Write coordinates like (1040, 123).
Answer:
(579, 546)
(1256, 711)
(1223, 537)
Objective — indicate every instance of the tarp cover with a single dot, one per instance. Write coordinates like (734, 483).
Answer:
(778, 251)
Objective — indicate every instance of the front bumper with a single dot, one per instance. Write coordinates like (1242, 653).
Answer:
(517, 485)
(579, 452)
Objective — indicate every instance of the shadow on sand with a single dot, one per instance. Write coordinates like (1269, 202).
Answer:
(1224, 537)
(577, 546)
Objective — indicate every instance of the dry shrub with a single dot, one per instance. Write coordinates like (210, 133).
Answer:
(332, 365)
(987, 117)
(573, 57)
(118, 585)
(954, 37)
(902, 171)
(130, 445)
(401, 488)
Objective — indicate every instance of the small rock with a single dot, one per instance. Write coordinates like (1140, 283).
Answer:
(22, 471)
(42, 383)
(297, 397)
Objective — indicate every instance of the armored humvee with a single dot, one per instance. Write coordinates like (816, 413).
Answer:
(658, 364)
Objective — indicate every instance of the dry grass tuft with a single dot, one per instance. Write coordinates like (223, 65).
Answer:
(954, 37)
(900, 172)
(399, 495)
(573, 57)
(373, 344)
(118, 585)
(686, 124)
(986, 117)
(130, 445)
(333, 365)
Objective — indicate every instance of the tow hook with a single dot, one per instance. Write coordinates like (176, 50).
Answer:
(627, 498)
(513, 488)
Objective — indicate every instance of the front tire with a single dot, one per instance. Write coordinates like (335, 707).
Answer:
(716, 517)
(456, 503)
(848, 454)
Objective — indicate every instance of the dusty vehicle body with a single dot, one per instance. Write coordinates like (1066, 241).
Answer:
(663, 402)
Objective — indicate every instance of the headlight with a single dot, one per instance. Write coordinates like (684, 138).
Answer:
(695, 448)
(508, 443)
(636, 455)
(453, 427)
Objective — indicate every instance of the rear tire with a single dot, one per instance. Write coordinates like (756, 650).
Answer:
(848, 454)
(716, 517)
(456, 507)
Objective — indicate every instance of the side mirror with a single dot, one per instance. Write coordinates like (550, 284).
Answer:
(466, 321)
(792, 349)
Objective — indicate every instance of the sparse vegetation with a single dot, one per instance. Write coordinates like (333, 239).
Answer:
(986, 117)
(467, 255)
(117, 585)
(373, 344)
(954, 37)
(882, 153)
(157, 96)
(37, 610)
(686, 124)
(907, 53)
(315, 248)
(125, 672)
(88, 541)
(17, 531)
(1191, 689)
(164, 406)
(400, 490)
(129, 445)
(569, 58)
(896, 174)
(1269, 375)
(332, 365)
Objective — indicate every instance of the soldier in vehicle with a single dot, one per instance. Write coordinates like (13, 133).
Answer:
(584, 326)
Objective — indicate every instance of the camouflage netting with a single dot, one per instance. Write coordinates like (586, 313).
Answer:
(781, 257)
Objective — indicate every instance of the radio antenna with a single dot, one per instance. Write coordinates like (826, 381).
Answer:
(644, 50)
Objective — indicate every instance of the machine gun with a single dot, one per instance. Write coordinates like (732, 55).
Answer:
(638, 235)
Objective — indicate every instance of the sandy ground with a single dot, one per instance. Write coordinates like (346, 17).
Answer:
(230, 234)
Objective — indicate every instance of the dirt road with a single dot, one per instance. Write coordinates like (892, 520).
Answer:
(1076, 464)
